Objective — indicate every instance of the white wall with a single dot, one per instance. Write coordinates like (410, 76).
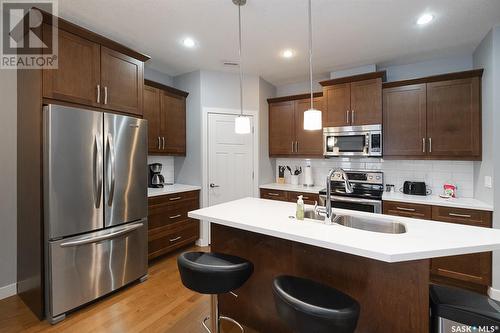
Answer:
(353, 71)
(427, 68)
(8, 201)
(156, 76)
(266, 164)
(301, 87)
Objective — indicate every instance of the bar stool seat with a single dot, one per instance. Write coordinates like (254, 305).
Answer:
(308, 306)
(213, 274)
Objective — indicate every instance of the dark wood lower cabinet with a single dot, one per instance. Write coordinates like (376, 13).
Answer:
(394, 297)
(169, 227)
(290, 196)
(469, 271)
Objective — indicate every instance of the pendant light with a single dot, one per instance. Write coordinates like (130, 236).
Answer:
(312, 117)
(241, 123)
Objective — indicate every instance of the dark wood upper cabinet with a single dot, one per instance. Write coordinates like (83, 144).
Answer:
(308, 142)
(165, 111)
(337, 105)
(405, 121)
(173, 122)
(122, 79)
(437, 117)
(366, 102)
(151, 110)
(281, 128)
(454, 118)
(77, 77)
(354, 100)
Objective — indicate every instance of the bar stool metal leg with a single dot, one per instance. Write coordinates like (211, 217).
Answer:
(215, 318)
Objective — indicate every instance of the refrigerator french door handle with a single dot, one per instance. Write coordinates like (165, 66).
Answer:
(87, 240)
(98, 168)
(111, 156)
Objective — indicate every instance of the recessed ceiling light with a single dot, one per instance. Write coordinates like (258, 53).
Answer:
(189, 42)
(287, 53)
(424, 19)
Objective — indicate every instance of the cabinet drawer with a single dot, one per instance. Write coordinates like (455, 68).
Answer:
(163, 241)
(407, 210)
(273, 194)
(169, 214)
(309, 198)
(464, 270)
(171, 199)
(471, 217)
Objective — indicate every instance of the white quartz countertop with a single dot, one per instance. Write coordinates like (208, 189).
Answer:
(171, 189)
(295, 188)
(423, 239)
(436, 200)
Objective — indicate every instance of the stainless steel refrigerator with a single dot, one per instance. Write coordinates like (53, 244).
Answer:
(95, 205)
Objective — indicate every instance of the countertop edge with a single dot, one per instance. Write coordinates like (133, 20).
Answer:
(181, 188)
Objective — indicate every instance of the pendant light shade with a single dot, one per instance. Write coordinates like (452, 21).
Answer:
(312, 117)
(241, 123)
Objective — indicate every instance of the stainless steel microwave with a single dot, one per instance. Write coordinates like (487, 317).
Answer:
(363, 141)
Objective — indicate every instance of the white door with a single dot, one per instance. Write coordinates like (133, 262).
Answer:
(230, 160)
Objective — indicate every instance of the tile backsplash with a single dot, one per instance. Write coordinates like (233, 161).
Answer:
(167, 169)
(434, 173)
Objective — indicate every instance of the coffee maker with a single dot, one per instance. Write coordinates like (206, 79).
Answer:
(155, 180)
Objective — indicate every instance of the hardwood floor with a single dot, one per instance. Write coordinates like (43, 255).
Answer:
(160, 304)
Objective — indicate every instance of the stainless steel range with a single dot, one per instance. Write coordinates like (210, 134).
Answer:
(366, 189)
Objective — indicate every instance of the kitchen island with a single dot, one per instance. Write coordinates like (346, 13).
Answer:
(387, 273)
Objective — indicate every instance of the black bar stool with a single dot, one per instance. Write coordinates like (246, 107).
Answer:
(310, 307)
(213, 274)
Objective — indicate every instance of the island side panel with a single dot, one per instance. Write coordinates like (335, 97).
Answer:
(393, 297)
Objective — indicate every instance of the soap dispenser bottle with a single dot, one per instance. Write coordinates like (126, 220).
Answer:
(300, 209)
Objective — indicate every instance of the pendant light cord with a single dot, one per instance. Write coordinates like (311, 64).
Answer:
(310, 55)
(239, 55)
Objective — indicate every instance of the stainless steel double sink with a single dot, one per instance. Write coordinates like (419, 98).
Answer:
(382, 225)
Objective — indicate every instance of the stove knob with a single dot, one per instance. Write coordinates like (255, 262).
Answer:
(370, 177)
(378, 177)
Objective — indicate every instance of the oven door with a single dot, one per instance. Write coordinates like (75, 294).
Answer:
(363, 205)
(346, 144)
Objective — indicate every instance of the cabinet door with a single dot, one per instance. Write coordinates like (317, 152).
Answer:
(405, 121)
(173, 123)
(152, 115)
(454, 118)
(309, 143)
(122, 81)
(366, 102)
(77, 77)
(416, 211)
(281, 128)
(337, 99)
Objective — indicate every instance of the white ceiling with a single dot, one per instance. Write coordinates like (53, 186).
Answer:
(347, 33)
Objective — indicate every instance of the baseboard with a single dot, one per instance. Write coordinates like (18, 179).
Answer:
(494, 293)
(8, 290)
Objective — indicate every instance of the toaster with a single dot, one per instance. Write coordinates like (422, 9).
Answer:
(414, 188)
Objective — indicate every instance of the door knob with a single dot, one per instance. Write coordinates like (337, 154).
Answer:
(212, 185)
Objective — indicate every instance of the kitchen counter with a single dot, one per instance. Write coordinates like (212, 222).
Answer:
(171, 189)
(295, 188)
(423, 239)
(468, 203)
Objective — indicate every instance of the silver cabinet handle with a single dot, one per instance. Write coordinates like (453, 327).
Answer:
(430, 145)
(98, 171)
(112, 166)
(347, 117)
(175, 239)
(423, 145)
(163, 142)
(293, 147)
(90, 240)
(273, 194)
(406, 209)
(98, 93)
(175, 216)
(175, 198)
(352, 117)
(460, 215)
(212, 185)
(159, 143)
(296, 146)
(105, 95)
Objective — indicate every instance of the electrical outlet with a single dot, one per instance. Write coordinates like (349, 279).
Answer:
(488, 183)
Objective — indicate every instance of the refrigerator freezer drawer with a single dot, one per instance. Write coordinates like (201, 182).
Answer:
(86, 267)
